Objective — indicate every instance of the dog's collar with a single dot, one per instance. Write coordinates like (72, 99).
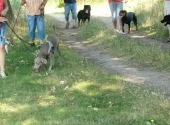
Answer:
(50, 46)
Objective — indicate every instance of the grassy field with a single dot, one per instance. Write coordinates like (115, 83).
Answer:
(145, 55)
(78, 92)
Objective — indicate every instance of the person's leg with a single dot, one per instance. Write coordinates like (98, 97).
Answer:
(73, 11)
(31, 27)
(112, 9)
(41, 28)
(67, 13)
(2, 50)
(119, 7)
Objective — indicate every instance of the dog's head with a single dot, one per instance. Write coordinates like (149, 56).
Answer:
(166, 20)
(38, 62)
(87, 9)
(122, 13)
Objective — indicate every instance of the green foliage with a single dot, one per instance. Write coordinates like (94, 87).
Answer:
(77, 91)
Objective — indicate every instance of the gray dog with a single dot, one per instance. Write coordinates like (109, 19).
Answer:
(46, 53)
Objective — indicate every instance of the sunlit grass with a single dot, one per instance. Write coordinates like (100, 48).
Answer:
(122, 46)
(78, 92)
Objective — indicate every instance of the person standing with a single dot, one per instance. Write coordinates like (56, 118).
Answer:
(3, 11)
(167, 12)
(115, 7)
(35, 17)
(70, 5)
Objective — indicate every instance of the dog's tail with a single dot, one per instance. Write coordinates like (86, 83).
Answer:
(54, 29)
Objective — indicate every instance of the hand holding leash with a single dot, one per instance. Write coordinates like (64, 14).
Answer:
(42, 6)
(3, 19)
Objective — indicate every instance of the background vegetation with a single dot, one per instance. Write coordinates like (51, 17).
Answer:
(149, 13)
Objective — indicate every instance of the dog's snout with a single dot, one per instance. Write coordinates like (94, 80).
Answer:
(35, 69)
(87, 11)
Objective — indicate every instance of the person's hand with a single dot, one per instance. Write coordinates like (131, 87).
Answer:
(3, 19)
(23, 2)
(42, 7)
(3, 13)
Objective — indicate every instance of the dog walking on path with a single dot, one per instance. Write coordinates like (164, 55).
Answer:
(127, 18)
(84, 15)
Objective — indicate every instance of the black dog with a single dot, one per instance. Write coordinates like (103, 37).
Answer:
(166, 20)
(84, 15)
(127, 18)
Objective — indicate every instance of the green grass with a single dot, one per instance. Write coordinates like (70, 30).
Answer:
(126, 47)
(84, 94)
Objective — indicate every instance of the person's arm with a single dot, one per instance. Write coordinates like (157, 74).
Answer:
(4, 12)
(6, 8)
(43, 4)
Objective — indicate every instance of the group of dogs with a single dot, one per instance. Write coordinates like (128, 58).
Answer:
(126, 18)
(51, 46)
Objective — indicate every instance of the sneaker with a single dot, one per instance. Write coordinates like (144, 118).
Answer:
(3, 75)
(67, 25)
(120, 32)
(167, 41)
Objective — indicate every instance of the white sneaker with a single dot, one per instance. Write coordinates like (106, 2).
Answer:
(3, 75)
(120, 32)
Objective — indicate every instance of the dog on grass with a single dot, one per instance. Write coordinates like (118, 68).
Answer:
(166, 20)
(84, 15)
(126, 18)
(46, 53)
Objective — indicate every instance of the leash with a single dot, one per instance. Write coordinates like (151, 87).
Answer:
(15, 20)
(23, 41)
(50, 46)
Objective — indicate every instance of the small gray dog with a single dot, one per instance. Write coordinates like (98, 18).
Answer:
(46, 53)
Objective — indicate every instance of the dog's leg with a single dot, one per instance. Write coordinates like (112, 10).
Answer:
(88, 19)
(123, 27)
(135, 22)
(52, 62)
(83, 20)
(78, 22)
(128, 28)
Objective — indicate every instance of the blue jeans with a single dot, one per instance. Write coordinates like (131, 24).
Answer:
(115, 8)
(70, 7)
(2, 33)
(34, 22)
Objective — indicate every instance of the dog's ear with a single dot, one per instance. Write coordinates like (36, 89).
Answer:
(125, 12)
(44, 61)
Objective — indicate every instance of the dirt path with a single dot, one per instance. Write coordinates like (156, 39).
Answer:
(129, 73)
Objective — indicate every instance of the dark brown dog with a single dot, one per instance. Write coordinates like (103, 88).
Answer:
(84, 15)
(127, 18)
(166, 20)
